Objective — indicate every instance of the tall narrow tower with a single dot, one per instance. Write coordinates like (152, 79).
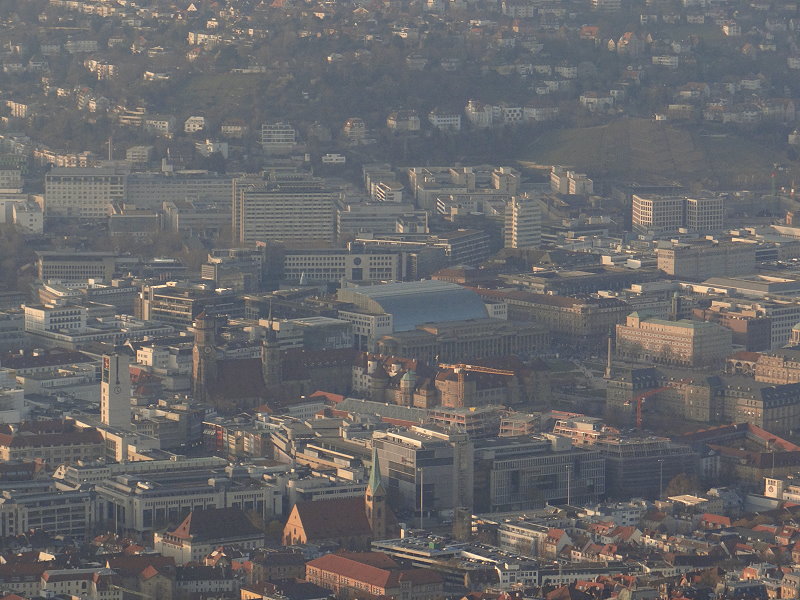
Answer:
(271, 357)
(523, 223)
(204, 356)
(375, 500)
(115, 391)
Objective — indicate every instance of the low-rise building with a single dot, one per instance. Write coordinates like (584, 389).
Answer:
(204, 530)
(684, 343)
(375, 574)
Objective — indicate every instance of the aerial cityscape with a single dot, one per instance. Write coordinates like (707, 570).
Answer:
(399, 299)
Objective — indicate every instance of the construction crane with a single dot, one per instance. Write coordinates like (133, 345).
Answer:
(477, 369)
(639, 401)
(130, 591)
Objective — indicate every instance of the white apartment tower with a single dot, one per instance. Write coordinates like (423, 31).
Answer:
(115, 391)
(523, 223)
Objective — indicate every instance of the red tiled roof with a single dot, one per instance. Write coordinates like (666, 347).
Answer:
(344, 566)
(329, 396)
(363, 567)
(716, 519)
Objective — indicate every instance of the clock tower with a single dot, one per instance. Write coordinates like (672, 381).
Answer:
(115, 391)
(204, 356)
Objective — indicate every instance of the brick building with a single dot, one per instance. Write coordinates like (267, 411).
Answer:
(373, 574)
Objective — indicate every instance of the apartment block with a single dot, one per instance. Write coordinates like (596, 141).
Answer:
(285, 212)
(152, 190)
(655, 213)
(682, 343)
(702, 260)
(85, 193)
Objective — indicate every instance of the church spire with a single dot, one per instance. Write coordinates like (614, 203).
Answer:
(375, 500)
(375, 480)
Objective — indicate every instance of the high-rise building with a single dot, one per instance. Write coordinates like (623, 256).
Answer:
(115, 391)
(657, 213)
(179, 305)
(523, 223)
(85, 193)
(299, 211)
(425, 470)
(703, 259)
(705, 214)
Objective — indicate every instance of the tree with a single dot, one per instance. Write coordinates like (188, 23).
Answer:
(682, 484)
(274, 529)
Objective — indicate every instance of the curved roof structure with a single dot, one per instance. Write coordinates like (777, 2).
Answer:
(417, 302)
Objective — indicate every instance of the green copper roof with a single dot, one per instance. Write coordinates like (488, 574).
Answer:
(375, 475)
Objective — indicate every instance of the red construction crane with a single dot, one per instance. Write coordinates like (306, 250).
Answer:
(639, 400)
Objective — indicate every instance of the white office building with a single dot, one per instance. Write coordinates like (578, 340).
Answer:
(523, 223)
(85, 193)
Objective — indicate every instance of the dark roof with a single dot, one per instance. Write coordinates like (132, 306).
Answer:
(23, 571)
(131, 565)
(48, 359)
(35, 434)
(199, 572)
(215, 524)
(297, 363)
(551, 300)
(325, 519)
(567, 593)
(239, 379)
(292, 590)
(275, 559)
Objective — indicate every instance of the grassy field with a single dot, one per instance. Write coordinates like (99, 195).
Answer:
(654, 151)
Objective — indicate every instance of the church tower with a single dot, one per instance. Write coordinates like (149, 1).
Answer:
(375, 500)
(204, 356)
(115, 391)
(271, 357)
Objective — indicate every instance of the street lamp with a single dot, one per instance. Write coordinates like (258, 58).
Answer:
(660, 478)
